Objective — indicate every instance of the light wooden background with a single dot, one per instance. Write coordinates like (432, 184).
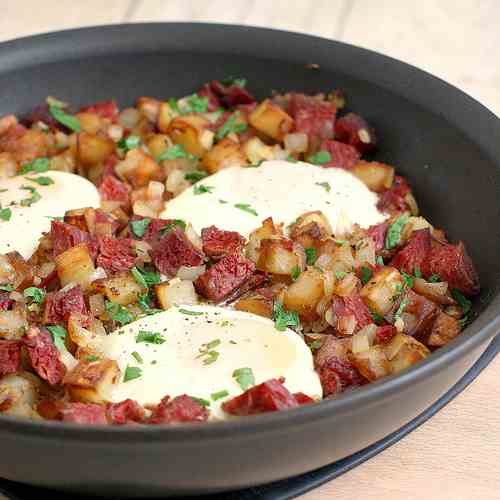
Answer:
(456, 455)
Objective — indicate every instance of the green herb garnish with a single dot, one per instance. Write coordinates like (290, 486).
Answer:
(246, 208)
(195, 176)
(91, 358)
(340, 275)
(244, 377)
(144, 302)
(325, 185)
(42, 180)
(315, 345)
(195, 104)
(435, 278)
(38, 166)
(131, 373)
(58, 335)
(190, 313)
(320, 158)
(400, 309)
(207, 352)
(311, 256)
(168, 227)
(219, 395)
(231, 80)
(231, 125)
(291, 159)
(137, 357)
(203, 402)
(130, 142)
(149, 337)
(417, 272)
(35, 196)
(145, 278)
(222, 202)
(202, 189)
(139, 227)
(6, 288)
(366, 274)
(69, 121)
(174, 152)
(376, 316)
(295, 273)
(36, 294)
(119, 313)
(5, 214)
(393, 237)
(462, 301)
(283, 318)
(380, 261)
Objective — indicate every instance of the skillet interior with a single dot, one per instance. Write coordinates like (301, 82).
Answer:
(444, 142)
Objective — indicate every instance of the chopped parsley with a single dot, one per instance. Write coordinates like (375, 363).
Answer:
(202, 189)
(131, 373)
(119, 313)
(130, 142)
(340, 275)
(393, 238)
(207, 352)
(149, 337)
(42, 180)
(408, 279)
(231, 80)
(315, 345)
(38, 166)
(195, 104)
(366, 274)
(5, 214)
(219, 395)
(174, 105)
(58, 333)
(137, 357)
(400, 309)
(231, 125)
(462, 301)
(36, 294)
(325, 185)
(144, 302)
(320, 158)
(291, 159)
(55, 217)
(255, 165)
(203, 402)
(246, 208)
(311, 256)
(295, 273)
(222, 202)
(380, 260)
(69, 121)
(376, 316)
(35, 196)
(340, 242)
(244, 377)
(195, 176)
(190, 313)
(6, 288)
(144, 277)
(91, 358)
(139, 227)
(168, 227)
(283, 318)
(417, 272)
(435, 278)
(174, 152)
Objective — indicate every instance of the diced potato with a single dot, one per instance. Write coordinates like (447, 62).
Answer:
(7, 271)
(176, 182)
(304, 294)
(176, 292)
(80, 337)
(414, 224)
(165, 116)
(376, 176)
(149, 107)
(75, 266)
(158, 144)
(255, 304)
(403, 351)
(6, 122)
(347, 285)
(8, 166)
(298, 142)
(226, 153)
(12, 324)
(380, 292)
(138, 168)
(365, 252)
(121, 288)
(271, 120)
(93, 149)
(341, 257)
(63, 162)
(444, 329)
(19, 395)
(92, 381)
(188, 130)
(267, 231)
(278, 257)
(89, 122)
(372, 363)
(32, 144)
(364, 339)
(256, 151)
(317, 217)
(23, 271)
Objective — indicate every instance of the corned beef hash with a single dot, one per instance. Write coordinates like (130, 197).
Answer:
(210, 257)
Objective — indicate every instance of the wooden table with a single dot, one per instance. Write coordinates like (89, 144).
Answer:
(456, 455)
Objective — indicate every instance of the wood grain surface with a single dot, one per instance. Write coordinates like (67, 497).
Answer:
(455, 455)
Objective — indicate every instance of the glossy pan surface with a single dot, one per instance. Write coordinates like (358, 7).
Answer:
(448, 146)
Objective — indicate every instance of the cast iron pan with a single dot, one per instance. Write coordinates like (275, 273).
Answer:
(447, 145)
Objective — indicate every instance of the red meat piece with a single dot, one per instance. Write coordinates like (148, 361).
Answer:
(453, 264)
(213, 100)
(302, 399)
(109, 165)
(180, 409)
(42, 114)
(312, 116)
(111, 189)
(218, 243)
(385, 333)
(5, 302)
(347, 308)
(271, 395)
(44, 355)
(225, 277)
(10, 356)
(65, 236)
(354, 130)
(393, 199)
(378, 233)
(59, 305)
(230, 96)
(125, 412)
(337, 375)
(116, 255)
(175, 250)
(153, 234)
(103, 218)
(342, 155)
(105, 109)
(84, 413)
(414, 253)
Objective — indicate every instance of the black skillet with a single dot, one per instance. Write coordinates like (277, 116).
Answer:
(447, 145)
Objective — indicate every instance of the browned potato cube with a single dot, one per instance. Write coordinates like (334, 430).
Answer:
(192, 132)
(226, 153)
(304, 294)
(176, 292)
(165, 116)
(278, 257)
(93, 149)
(382, 290)
(92, 381)
(149, 107)
(376, 176)
(8, 166)
(267, 231)
(271, 120)
(255, 304)
(444, 329)
(372, 363)
(32, 144)
(138, 168)
(89, 122)
(403, 351)
(75, 266)
(158, 144)
(122, 288)
(19, 394)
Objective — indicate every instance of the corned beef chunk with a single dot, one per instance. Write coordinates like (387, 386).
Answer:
(180, 409)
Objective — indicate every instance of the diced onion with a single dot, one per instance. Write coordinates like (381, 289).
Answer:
(190, 273)
(155, 190)
(363, 340)
(437, 292)
(115, 132)
(99, 273)
(96, 303)
(129, 118)
(297, 142)
(193, 237)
